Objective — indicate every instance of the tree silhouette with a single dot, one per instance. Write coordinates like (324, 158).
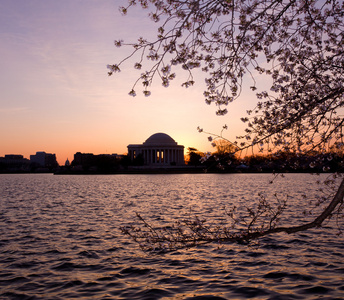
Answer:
(194, 157)
(296, 45)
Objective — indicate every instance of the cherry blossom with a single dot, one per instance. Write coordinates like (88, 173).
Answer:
(295, 46)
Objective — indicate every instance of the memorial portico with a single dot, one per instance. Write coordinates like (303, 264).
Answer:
(158, 150)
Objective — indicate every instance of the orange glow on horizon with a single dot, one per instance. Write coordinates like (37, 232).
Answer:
(56, 95)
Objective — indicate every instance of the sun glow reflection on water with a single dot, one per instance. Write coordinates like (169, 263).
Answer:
(60, 239)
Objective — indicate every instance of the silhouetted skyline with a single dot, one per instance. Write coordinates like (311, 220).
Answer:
(56, 95)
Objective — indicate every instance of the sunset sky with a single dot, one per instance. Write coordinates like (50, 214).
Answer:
(56, 96)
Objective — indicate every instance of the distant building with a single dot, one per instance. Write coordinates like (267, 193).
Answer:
(95, 163)
(14, 157)
(45, 160)
(82, 158)
(91, 159)
(14, 163)
(158, 150)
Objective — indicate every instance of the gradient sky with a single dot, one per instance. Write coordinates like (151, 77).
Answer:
(56, 96)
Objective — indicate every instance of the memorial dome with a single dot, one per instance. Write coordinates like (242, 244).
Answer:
(159, 150)
(160, 139)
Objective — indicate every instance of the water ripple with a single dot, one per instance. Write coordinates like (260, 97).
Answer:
(60, 239)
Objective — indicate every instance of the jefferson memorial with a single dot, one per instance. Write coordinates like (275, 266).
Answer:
(158, 150)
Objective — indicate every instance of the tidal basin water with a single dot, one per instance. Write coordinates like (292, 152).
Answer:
(60, 239)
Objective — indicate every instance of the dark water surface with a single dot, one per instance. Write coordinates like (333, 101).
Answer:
(59, 239)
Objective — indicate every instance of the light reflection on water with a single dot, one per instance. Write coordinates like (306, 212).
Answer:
(60, 240)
